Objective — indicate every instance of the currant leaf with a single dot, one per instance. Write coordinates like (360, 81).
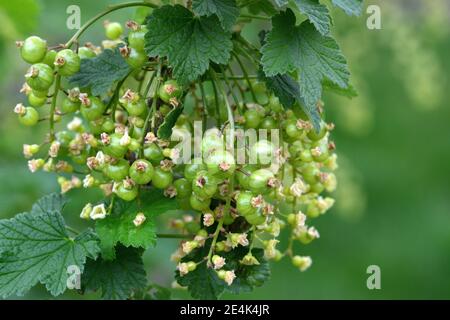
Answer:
(247, 277)
(349, 92)
(225, 10)
(119, 226)
(117, 279)
(165, 130)
(51, 202)
(303, 49)
(36, 248)
(350, 7)
(190, 43)
(100, 73)
(317, 13)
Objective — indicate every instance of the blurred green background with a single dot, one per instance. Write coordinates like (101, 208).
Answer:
(393, 200)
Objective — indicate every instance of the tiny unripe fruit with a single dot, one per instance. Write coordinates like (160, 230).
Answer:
(67, 62)
(113, 30)
(33, 49)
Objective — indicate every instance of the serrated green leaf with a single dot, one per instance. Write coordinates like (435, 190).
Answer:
(303, 49)
(101, 72)
(247, 277)
(119, 226)
(349, 92)
(202, 283)
(165, 129)
(36, 248)
(350, 7)
(317, 13)
(51, 202)
(190, 43)
(225, 10)
(117, 279)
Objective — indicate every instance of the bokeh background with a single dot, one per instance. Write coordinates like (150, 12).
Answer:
(393, 200)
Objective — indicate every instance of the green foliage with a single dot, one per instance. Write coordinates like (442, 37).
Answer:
(100, 73)
(225, 10)
(35, 247)
(117, 279)
(351, 7)
(119, 226)
(165, 130)
(188, 42)
(204, 283)
(317, 13)
(303, 49)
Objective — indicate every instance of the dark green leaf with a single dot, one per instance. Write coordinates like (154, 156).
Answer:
(101, 72)
(349, 92)
(317, 13)
(202, 283)
(225, 10)
(36, 248)
(51, 202)
(247, 277)
(189, 42)
(119, 226)
(165, 130)
(303, 49)
(116, 279)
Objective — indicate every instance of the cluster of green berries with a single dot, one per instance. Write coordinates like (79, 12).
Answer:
(115, 147)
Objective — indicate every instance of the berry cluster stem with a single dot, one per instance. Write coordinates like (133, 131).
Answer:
(53, 107)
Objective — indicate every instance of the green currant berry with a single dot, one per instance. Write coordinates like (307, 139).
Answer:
(292, 130)
(141, 171)
(275, 105)
(204, 185)
(153, 153)
(49, 58)
(40, 77)
(243, 175)
(165, 109)
(113, 30)
(169, 90)
(117, 171)
(199, 204)
(68, 105)
(312, 211)
(35, 101)
(108, 125)
(136, 38)
(40, 94)
(137, 108)
(306, 156)
(126, 193)
(212, 140)
(221, 163)
(191, 169)
(315, 136)
(252, 118)
(310, 173)
(244, 203)
(67, 62)
(30, 117)
(317, 188)
(92, 108)
(161, 178)
(268, 123)
(33, 49)
(114, 148)
(183, 187)
(255, 219)
(260, 179)
(86, 53)
(136, 59)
